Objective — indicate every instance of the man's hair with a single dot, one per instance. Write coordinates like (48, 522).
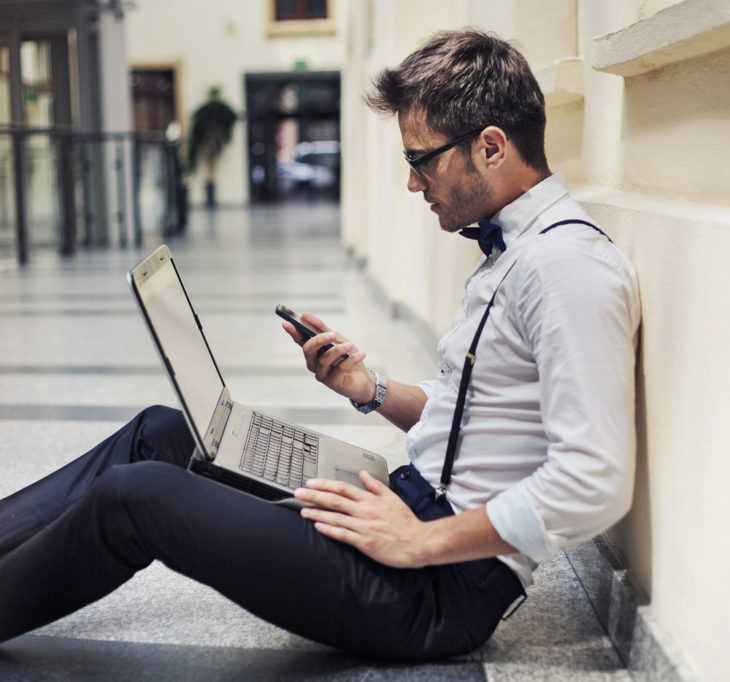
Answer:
(465, 79)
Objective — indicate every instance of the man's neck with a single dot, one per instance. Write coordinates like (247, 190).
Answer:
(521, 181)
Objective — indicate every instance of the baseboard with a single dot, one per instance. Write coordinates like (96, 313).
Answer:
(648, 653)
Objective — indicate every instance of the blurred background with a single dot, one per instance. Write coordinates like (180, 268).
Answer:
(115, 117)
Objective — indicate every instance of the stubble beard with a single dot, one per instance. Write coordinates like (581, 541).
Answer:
(466, 201)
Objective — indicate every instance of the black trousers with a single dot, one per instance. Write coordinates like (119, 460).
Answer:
(76, 535)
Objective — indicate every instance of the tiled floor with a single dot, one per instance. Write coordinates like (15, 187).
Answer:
(75, 363)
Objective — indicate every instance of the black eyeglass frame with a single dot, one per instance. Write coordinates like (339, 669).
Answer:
(425, 158)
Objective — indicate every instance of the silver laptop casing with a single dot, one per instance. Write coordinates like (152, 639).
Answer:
(220, 430)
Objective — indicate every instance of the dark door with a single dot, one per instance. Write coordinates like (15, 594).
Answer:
(293, 135)
(153, 96)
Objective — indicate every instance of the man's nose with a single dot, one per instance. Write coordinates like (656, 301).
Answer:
(415, 182)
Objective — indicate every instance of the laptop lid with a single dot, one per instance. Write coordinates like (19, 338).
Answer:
(181, 343)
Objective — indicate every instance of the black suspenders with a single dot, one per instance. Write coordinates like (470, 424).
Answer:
(440, 493)
(574, 222)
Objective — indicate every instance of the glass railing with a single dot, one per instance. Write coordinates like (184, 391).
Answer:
(85, 189)
(41, 185)
(7, 197)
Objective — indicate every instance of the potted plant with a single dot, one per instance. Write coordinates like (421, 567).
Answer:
(210, 131)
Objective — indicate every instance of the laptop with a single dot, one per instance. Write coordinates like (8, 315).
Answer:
(236, 445)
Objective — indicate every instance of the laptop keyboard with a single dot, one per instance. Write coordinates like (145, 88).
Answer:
(279, 452)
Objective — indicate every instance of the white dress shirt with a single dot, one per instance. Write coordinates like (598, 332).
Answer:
(547, 440)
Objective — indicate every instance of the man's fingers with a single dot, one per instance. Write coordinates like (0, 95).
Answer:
(333, 356)
(372, 484)
(351, 360)
(332, 518)
(316, 343)
(314, 349)
(339, 533)
(290, 329)
(314, 322)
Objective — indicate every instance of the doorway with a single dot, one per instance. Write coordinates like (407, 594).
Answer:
(37, 108)
(293, 135)
(162, 202)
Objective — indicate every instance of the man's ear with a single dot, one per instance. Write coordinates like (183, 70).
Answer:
(493, 145)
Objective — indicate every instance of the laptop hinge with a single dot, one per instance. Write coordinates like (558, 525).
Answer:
(218, 424)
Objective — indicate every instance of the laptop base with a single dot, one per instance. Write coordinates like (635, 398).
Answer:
(199, 464)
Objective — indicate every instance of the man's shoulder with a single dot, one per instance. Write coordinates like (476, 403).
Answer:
(570, 258)
(572, 242)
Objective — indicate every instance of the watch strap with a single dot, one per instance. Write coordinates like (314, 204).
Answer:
(381, 386)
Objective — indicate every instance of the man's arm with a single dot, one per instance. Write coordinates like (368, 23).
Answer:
(375, 520)
(378, 523)
(580, 316)
(403, 404)
(579, 311)
(350, 377)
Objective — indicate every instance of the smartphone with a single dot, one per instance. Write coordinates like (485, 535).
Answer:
(290, 316)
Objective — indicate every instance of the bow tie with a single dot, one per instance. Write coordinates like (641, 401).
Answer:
(487, 234)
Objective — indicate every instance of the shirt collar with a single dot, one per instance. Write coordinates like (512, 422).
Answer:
(520, 215)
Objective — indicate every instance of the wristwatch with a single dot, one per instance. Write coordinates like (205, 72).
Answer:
(381, 386)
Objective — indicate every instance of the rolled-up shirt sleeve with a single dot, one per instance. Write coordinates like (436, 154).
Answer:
(427, 388)
(578, 310)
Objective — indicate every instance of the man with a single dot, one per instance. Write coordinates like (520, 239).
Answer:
(542, 457)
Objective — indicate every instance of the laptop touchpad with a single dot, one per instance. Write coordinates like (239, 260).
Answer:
(348, 477)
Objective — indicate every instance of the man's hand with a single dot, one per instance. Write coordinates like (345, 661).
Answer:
(375, 520)
(347, 376)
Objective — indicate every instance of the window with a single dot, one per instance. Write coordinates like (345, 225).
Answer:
(301, 17)
(287, 10)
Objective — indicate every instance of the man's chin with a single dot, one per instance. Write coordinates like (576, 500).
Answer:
(448, 223)
(451, 226)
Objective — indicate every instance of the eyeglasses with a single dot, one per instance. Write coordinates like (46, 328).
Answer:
(416, 163)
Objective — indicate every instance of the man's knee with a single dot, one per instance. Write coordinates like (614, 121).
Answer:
(163, 435)
(160, 418)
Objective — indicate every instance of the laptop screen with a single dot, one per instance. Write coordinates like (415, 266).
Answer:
(180, 340)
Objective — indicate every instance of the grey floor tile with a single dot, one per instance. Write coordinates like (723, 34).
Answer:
(555, 635)
(41, 659)
(32, 449)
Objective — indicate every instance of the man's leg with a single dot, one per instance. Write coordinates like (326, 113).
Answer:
(157, 433)
(267, 559)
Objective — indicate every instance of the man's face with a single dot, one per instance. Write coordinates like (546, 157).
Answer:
(451, 183)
